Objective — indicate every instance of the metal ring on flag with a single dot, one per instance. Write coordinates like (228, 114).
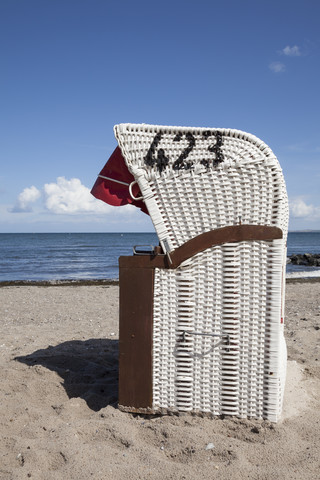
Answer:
(130, 191)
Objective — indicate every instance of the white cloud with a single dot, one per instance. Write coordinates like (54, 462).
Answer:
(299, 209)
(71, 197)
(277, 67)
(291, 51)
(27, 196)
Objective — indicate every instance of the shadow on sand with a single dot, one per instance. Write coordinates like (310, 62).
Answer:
(89, 369)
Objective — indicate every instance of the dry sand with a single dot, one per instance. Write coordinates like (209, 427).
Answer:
(58, 389)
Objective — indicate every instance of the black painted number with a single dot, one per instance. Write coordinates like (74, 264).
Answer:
(181, 163)
(157, 156)
(161, 160)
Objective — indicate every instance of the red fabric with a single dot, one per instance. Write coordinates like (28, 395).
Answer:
(115, 193)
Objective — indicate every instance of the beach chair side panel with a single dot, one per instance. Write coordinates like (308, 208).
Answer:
(220, 294)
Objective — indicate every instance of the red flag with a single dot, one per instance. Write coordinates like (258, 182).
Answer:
(112, 192)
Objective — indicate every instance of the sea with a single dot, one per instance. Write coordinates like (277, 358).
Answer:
(94, 256)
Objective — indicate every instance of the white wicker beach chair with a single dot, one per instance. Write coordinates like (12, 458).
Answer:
(201, 326)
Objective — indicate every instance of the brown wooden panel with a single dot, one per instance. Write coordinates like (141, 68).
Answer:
(144, 261)
(135, 337)
(235, 233)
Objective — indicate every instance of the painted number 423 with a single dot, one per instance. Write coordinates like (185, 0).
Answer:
(157, 156)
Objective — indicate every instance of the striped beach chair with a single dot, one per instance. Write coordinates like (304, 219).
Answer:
(201, 318)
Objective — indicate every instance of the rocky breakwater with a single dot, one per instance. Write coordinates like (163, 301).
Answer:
(307, 259)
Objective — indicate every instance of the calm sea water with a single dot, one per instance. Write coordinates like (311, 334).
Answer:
(62, 256)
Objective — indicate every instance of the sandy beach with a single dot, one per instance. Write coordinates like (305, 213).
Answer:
(58, 388)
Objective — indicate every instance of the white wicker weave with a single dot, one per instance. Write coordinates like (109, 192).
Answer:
(194, 180)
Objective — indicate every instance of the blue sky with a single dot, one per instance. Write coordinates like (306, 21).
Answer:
(71, 69)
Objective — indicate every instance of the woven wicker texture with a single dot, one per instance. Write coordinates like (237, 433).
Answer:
(193, 181)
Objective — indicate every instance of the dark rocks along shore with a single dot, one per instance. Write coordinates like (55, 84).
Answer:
(307, 259)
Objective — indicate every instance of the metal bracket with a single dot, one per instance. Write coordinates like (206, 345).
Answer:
(143, 252)
(223, 337)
